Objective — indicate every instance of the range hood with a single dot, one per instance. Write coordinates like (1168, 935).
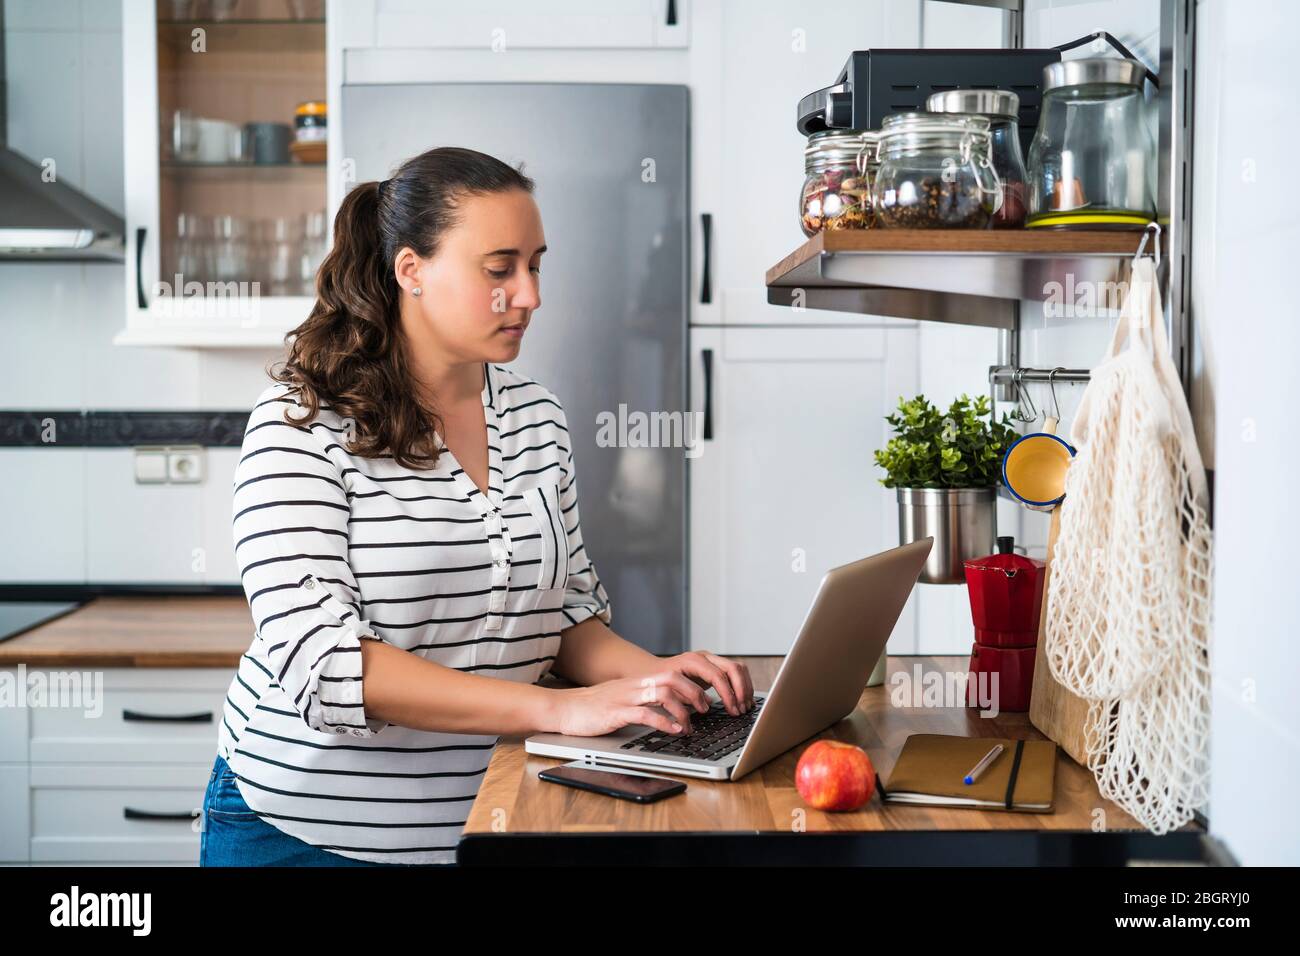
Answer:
(42, 220)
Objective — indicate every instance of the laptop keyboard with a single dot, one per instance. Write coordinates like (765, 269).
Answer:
(713, 735)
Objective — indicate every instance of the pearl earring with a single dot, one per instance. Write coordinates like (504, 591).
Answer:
(417, 291)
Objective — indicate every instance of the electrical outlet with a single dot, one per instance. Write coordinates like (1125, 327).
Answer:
(185, 465)
(168, 465)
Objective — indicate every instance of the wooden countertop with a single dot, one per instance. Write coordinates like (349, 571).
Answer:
(513, 801)
(139, 632)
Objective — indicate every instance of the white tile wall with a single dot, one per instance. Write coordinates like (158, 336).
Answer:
(44, 536)
(138, 532)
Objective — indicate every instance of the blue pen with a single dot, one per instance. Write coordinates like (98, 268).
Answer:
(980, 767)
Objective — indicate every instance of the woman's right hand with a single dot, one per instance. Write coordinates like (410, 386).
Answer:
(607, 707)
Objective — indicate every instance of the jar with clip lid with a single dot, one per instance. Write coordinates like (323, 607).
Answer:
(936, 172)
(836, 194)
(1002, 109)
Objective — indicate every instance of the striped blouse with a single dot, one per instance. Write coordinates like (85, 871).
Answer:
(333, 547)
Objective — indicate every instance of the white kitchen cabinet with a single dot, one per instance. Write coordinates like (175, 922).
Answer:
(770, 54)
(116, 778)
(114, 814)
(503, 25)
(785, 487)
(221, 252)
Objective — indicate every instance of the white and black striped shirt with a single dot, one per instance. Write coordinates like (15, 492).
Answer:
(332, 547)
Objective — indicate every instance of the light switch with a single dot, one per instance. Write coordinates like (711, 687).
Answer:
(150, 466)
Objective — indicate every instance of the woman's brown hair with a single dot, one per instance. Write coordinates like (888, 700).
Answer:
(349, 354)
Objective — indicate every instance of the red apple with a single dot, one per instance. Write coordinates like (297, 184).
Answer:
(832, 775)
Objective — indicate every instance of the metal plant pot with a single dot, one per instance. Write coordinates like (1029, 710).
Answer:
(962, 522)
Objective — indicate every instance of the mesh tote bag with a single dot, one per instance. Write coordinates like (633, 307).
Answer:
(1128, 621)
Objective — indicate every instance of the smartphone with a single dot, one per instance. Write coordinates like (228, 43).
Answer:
(626, 785)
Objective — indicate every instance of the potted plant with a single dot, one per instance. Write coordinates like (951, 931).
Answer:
(946, 467)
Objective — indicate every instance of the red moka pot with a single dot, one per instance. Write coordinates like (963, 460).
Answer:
(1006, 599)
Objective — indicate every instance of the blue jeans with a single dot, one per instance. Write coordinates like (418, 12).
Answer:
(234, 835)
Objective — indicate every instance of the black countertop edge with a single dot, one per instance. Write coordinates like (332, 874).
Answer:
(88, 592)
(984, 848)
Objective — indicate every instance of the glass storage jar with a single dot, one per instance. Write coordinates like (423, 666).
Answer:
(1002, 109)
(837, 181)
(1091, 162)
(936, 172)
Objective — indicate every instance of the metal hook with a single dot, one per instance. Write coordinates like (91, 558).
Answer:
(1146, 234)
(1056, 404)
(1023, 398)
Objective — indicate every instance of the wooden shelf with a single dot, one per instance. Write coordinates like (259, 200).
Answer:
(970, 277)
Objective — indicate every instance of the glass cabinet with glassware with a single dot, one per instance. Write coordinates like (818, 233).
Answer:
(225, 121)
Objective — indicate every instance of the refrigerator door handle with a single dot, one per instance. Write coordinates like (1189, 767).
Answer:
(707, 355)
(706, 284)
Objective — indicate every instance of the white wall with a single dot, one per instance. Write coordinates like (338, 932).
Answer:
(1244, 242)
(73, 514)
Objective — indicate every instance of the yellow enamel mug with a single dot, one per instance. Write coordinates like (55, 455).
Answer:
(1034, 467)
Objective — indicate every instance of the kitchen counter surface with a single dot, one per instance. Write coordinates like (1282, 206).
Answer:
(518, 818)
(169, 631)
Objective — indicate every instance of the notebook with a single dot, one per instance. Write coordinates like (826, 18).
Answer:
(931, 769)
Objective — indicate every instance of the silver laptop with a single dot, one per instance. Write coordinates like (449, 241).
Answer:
(820, 682)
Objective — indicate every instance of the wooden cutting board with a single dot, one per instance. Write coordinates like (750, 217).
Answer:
(1056, 712)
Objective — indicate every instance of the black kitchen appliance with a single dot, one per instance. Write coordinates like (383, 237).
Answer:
(875, 83)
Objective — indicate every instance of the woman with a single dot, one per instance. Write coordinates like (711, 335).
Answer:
(406, 527)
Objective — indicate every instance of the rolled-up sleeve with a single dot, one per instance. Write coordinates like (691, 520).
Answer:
(584, 595)
(291, 545)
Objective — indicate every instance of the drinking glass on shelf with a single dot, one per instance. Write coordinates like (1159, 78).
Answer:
(306, 9)
(214, 9)
(230, 250)
(192, 248)
(315, 243)
(181, 9)
(184, 136)
(283, 251)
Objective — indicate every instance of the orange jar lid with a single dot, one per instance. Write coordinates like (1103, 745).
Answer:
(311, 108)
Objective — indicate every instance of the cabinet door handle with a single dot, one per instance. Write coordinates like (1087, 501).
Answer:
(131, 813)
(706, 284)
(672, 13)
(707, 355)
(204, 717)
(140, 299)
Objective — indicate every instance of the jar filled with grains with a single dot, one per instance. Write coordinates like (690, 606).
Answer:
(936, 172)
(1002, 109)
(837, 182)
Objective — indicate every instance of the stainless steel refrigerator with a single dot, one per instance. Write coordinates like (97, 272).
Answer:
(611, 165)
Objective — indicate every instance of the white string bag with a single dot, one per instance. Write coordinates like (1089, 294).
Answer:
(1128, 619)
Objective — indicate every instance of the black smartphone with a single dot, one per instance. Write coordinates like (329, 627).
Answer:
(612, 783)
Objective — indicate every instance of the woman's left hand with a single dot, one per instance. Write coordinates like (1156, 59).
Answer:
(730, 678)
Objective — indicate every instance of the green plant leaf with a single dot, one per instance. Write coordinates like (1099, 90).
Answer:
(931, 448)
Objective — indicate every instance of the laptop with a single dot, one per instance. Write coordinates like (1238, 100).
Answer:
(820, 682)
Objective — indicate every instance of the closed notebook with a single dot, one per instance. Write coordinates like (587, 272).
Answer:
(932, 767)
